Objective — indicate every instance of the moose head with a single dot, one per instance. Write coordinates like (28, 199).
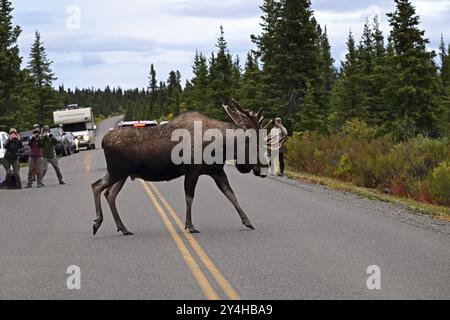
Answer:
(252, 124)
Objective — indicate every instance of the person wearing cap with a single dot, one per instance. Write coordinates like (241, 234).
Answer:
(36, 127)
(279, 134)
(49, 154)
(13, 146)
(35, 160)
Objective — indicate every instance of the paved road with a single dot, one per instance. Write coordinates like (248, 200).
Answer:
(307, 245)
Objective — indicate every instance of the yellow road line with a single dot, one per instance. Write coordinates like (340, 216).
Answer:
(223, 283)
(87, 163)
(205, 285)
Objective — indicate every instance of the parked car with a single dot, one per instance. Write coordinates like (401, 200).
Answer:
(24, 153)
(74, 144)
(64, 145)
(3, 138)
(137, 124)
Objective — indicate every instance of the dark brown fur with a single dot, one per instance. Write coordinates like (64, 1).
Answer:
(145, 153)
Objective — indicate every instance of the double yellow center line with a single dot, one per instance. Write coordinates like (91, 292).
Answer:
(208, 290)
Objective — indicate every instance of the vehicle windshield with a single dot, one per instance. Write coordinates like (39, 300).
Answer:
(75, 127)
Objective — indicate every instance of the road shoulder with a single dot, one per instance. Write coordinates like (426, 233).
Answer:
(398, 211)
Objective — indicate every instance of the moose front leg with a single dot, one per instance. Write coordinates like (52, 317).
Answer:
(190, 183)
(222, 182)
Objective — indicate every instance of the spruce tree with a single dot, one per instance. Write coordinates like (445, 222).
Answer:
(163, 99)
(309, 118)
(366, 50)
(174, 92)
(289, 50)
(250, 93)
(370, 59)
(327, 74)
(444, 120)
(39, 67)
(39, 64)
(153, 92)
(411, 91)
(377, 111)
(327, 69)
(298, 57)
(11, 75)
(378, 39)
(198, 95)
(268, 47)
(236, 77)
(220, 80)
(348, 99)
(444, 55)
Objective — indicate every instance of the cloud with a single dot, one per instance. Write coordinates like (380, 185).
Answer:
(344, 6)
(214, 8)
(36, 17)
(91, 59)
(117, 42)
(86, 42)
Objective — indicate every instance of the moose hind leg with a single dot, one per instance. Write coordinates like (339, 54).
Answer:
(111, 196)
(97, 188)
(224, 186)
(190, 184)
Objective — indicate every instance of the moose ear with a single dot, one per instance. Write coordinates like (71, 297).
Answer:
(234, 116)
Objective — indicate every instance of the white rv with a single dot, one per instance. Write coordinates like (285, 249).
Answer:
(79, 121)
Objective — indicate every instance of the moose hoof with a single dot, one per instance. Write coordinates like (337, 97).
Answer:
(95, 228)
(250, 226)
(125, 232)
(192, 230)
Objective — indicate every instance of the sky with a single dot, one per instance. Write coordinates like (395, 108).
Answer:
(113, 42)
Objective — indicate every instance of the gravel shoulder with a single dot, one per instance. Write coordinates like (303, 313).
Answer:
(395, 211)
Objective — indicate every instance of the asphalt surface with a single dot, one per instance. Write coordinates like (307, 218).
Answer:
(307, 245)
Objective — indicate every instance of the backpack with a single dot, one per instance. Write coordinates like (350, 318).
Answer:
(10, 181)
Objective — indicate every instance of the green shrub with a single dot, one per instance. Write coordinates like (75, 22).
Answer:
(439, 183)
(359, 155)
(315, 153)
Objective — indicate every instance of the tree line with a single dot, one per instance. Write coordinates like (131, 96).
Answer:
(390, 81)
(26, 95)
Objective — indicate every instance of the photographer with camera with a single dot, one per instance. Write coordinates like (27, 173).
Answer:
(49, 154)
(13, 146)
(279, 133)
(35, 161)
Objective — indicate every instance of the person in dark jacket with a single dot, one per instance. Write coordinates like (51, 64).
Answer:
(49, 155)
(11, 160)
(35, 161)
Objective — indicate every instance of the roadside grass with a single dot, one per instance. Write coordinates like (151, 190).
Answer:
(435, 211)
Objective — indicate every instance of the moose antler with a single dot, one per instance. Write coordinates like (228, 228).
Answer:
(256, 118)
(234, 116)
(248, 114)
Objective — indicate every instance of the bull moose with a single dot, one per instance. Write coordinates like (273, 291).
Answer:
(146, 154)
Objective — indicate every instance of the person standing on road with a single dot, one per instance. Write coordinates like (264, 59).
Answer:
(49, 155)
(13, 146)
(278, 135)
(35, 161)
